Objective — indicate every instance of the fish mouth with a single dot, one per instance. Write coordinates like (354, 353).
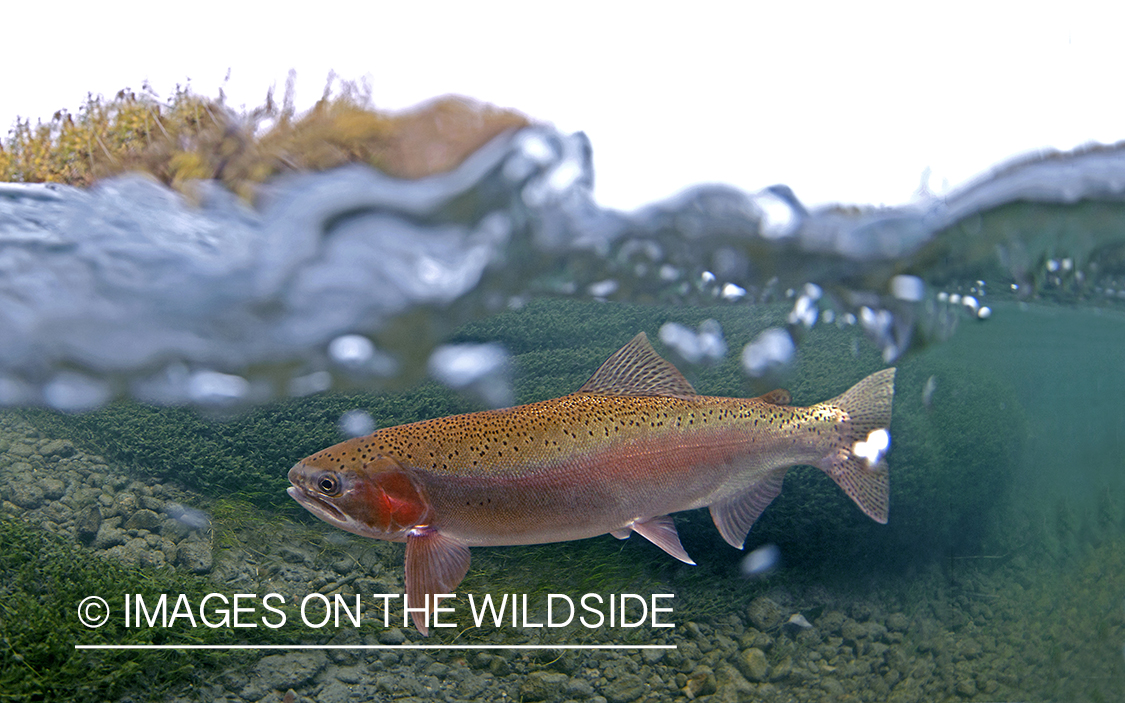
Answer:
(322, 509)
(325, 509)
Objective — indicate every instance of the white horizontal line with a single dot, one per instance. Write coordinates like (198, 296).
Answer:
(375, 646)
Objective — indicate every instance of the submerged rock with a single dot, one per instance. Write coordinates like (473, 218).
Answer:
(753, 664)
(543, 686)
(143, 519)
(795, 624)
(195, 556)
(629, 687)
(765, 614)
(701, 682)
(87, 524)
(282, 671)
(109, 534)
(25, 493)
(57, 447)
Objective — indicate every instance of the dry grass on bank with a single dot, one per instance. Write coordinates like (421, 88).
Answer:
(189, 136)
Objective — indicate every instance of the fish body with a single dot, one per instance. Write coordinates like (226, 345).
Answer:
(632, 446)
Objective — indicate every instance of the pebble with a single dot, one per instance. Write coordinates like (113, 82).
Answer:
(781, 670)
(753, 664)
(195, 556)
(543, 686)
(282, 671)
(765, 614)
(337, 692)
(966, 688)
(625, 689)
(701, 682)
(21, 449)
(143, 519)
(897, 622)
(109, 535)
(57, 448)
(87, 523)
(81, 497)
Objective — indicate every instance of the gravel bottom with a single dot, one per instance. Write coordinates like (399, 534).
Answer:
(988, 629)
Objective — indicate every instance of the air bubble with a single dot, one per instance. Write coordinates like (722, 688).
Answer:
(733, 292)
(479, 368)
(909, 288)
(74, 392)
(215, 388)
(356, 423)
(804, 311)
(761, 561)
(770, 349)
(357, 354)
(351, 350)
(195, 519)
(14, 392)
(705, 345)
(308, 384)
(874, 447)
(601, 289)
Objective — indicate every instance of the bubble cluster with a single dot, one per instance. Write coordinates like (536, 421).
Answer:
(482, 369)
(126, 288)
(771, 349)
(704, 344)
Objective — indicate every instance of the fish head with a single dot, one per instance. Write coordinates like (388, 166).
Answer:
(376, 498)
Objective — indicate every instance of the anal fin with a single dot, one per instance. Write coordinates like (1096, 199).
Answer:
(435, 564)
(661, 531)
(736, 515)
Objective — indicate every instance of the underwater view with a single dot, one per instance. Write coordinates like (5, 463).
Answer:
(179, 361)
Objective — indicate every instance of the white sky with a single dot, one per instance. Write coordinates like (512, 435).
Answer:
(844, 102)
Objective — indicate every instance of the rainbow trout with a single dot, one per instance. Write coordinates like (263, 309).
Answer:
(633, 445)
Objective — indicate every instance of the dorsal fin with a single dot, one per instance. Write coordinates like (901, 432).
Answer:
(778, 396)
(637, 370)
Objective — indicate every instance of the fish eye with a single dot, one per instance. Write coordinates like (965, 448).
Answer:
(328, 484)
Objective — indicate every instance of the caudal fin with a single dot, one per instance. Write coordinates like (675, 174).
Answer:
(857, 462)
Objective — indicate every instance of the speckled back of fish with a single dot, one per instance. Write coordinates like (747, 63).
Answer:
(632, 446)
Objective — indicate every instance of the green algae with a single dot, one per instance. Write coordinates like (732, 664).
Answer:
(43, 579)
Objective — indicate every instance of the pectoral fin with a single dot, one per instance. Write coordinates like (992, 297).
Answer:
(661, 531)
(434, 564)
(736, 515)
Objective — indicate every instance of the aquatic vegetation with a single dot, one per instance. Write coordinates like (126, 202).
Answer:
(188, 136)
(246, 455)
(42, 580)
